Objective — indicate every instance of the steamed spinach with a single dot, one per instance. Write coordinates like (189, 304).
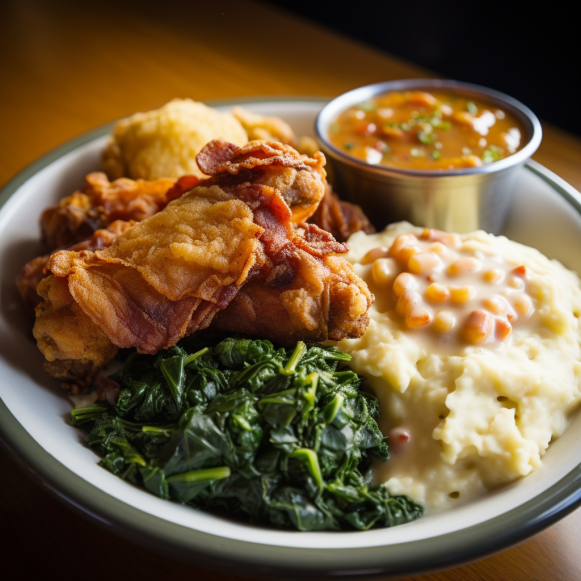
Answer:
(285, 436)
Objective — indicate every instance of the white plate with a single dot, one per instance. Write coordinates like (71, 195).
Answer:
(34, 412)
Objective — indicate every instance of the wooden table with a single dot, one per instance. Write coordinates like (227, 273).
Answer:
(67, 67)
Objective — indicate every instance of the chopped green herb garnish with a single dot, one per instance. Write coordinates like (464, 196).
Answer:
(492, 154)
(427, 138)
(471, 108)
(348, 145)
(405, 127)
(436, 154)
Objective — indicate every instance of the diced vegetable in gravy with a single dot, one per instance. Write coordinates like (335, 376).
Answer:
(427, 131)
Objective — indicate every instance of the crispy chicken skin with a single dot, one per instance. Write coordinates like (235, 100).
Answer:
(73, 346)
(324, 300)
(340, 218)
(238, 236)
(34, 270)
(100, 203)
(299, 179)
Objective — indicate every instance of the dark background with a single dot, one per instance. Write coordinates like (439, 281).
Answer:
(530, 51)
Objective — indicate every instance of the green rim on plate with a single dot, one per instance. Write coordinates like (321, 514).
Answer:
(251, 558)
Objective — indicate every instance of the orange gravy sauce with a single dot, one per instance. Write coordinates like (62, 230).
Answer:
(427, 131)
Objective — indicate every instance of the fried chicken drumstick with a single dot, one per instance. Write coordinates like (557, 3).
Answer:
(236, 244)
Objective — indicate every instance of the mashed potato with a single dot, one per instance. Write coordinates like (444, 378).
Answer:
(474, 353)
(164, 142)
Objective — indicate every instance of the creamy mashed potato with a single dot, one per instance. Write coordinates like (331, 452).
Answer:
(477, 367)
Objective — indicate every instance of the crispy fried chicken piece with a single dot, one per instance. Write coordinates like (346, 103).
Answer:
(298, 178)
(314, 299)
(167, 276)
(73, 346)
(259, 127)
(340, 218)
(34, 270)
(100, 203)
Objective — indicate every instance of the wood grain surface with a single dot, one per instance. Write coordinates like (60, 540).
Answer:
(67, 67)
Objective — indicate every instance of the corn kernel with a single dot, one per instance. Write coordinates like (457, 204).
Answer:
(462, 294)
(403, 282)
(477, 327)
(406, 253)
(523, 304)
(494, 275)
(437, 248)
(444, 321)
(382, 270)
(516, 283)
(423, 263)
(437, 293)
(419, 316)
(374, 254)
(502, 329)
(496, 305)
(407, 302)
(451, 240)
(464, 265)
(400, 242)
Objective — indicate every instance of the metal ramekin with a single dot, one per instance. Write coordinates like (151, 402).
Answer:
(458, 200)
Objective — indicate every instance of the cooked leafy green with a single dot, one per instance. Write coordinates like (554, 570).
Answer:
(285, 436)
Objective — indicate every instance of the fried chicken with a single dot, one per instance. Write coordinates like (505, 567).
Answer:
(73, 346)
(169, 275)
(34, 270)
(100, 203)
(340, 218)
(314, 298)
(299, 179)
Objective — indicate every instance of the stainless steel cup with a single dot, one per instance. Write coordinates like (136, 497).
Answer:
(458, 200)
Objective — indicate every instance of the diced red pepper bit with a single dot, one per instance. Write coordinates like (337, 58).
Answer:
(365, 128)
(520, 271)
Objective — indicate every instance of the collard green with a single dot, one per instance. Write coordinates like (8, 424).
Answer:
(284, 436)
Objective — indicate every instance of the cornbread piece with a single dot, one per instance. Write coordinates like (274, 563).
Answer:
(164, 142)
(259, 127)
